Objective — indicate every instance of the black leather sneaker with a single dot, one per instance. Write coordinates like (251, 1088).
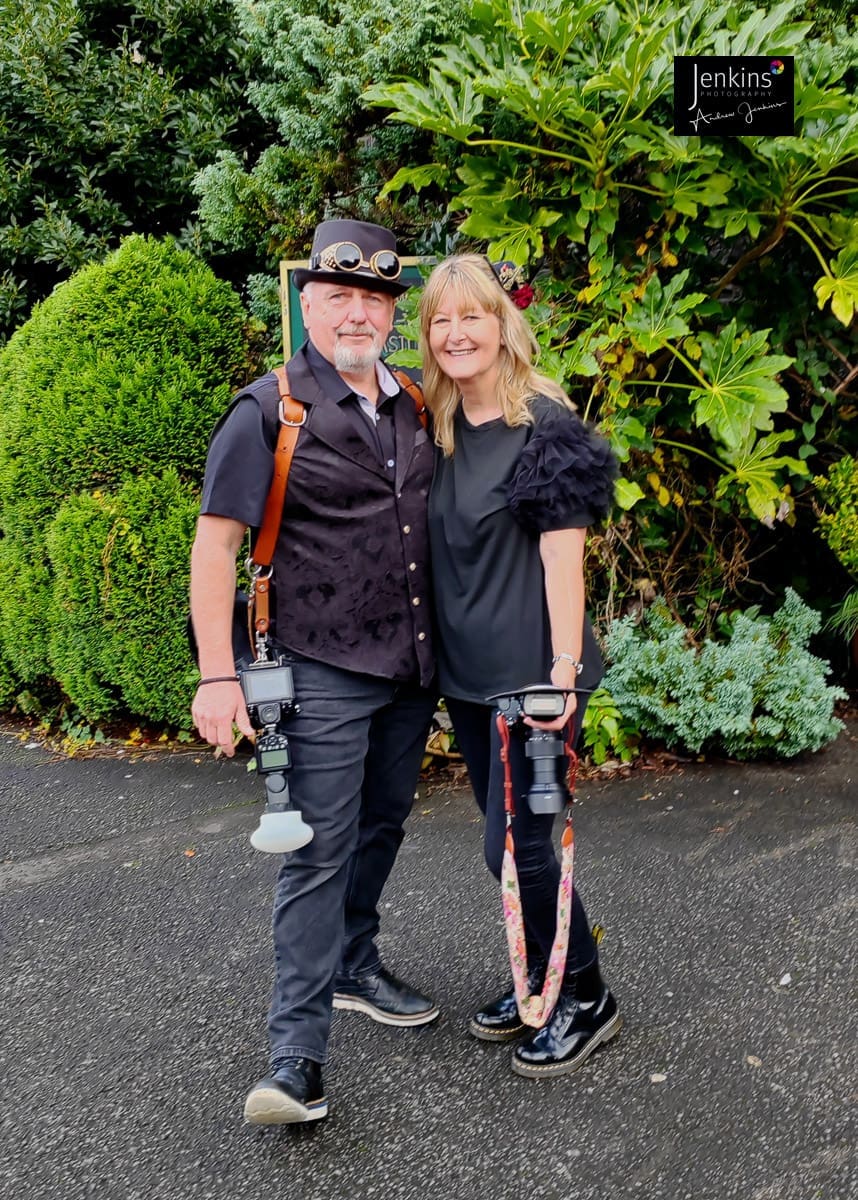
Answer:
(291, 1094)
(498, 1021)
(584, 1017)
(386, 999)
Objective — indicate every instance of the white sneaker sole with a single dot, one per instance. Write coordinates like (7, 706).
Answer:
(356, 1004)
(270, 1106)
(537, 1071)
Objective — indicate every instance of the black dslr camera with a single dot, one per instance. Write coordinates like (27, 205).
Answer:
(541, 702)
(269, 693)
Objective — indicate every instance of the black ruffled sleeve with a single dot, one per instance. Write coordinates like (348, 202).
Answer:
(565, 475)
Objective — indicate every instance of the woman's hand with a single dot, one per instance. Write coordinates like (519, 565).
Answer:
(563, 675)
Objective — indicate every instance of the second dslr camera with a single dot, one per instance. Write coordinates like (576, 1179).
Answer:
(548, 792)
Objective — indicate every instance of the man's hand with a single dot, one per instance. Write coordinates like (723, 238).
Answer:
(216, 709)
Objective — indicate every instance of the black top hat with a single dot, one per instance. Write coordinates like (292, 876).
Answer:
(355, 253)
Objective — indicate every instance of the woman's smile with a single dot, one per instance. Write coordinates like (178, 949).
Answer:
(466, 342)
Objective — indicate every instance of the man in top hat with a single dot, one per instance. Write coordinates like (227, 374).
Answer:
(352, 616)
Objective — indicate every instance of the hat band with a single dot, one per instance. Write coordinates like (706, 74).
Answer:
(347, 256)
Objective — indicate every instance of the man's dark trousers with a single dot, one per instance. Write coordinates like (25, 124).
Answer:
(356, 745)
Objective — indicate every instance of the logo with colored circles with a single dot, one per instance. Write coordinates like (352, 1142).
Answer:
(776, 67)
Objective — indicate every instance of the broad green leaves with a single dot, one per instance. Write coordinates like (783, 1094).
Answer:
(659, 316)
(754, 469)
(841, 286)
(678, 270)
(738, 392)
(512, 237)
(416, 177)
(438, 105)
(689, 190)
(627, 493)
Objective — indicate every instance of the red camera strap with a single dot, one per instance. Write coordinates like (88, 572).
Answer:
(536, 1009)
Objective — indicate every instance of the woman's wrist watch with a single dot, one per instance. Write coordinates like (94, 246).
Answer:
(563, 657)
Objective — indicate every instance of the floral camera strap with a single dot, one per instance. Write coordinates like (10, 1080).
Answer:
(535, 1009)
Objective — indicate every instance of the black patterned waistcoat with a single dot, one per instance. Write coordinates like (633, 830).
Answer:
(351, 564)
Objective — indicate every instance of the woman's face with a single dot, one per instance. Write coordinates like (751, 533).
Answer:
(465, 341)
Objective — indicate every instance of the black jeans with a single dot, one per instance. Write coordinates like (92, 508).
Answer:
(356, 745)
(535, 857)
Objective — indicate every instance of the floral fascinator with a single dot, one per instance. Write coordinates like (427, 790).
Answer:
(512, 280)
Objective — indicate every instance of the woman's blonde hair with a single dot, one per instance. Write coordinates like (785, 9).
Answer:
(468, 279)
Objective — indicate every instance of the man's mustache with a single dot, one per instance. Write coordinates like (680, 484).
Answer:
(355, 330)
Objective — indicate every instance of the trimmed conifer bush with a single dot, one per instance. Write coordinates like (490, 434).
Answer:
(110, 391)
(119, 601)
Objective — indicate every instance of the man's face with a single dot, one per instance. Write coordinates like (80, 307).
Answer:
(347, 325)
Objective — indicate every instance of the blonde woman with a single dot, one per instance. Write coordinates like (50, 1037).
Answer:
(518, 478)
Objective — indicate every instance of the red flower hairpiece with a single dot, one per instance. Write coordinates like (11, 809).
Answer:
(511, 279)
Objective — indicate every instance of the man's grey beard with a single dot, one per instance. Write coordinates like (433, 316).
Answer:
(347, 358)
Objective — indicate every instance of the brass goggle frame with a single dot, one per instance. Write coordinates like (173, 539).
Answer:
(328, 260)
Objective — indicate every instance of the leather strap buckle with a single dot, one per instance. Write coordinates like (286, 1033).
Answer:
(281, 411)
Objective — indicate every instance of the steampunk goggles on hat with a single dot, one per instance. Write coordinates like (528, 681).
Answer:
(347, 256)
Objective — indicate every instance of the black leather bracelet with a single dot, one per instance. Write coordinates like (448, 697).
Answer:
(219, 679)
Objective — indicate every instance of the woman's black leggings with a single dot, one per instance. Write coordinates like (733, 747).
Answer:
(535, 857)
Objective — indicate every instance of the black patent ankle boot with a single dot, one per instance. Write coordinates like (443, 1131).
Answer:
(498, 1021)
(584, 1017)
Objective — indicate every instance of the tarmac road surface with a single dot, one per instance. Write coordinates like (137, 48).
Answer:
(135, 976)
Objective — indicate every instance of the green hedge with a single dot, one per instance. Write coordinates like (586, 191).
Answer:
(119, 602)
(110, 391)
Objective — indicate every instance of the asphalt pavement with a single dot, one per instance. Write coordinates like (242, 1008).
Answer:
(136, 967)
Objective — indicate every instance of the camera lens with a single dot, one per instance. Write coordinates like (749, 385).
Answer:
(548, 792)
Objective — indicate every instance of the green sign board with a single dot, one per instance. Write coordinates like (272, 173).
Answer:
(294, 332)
